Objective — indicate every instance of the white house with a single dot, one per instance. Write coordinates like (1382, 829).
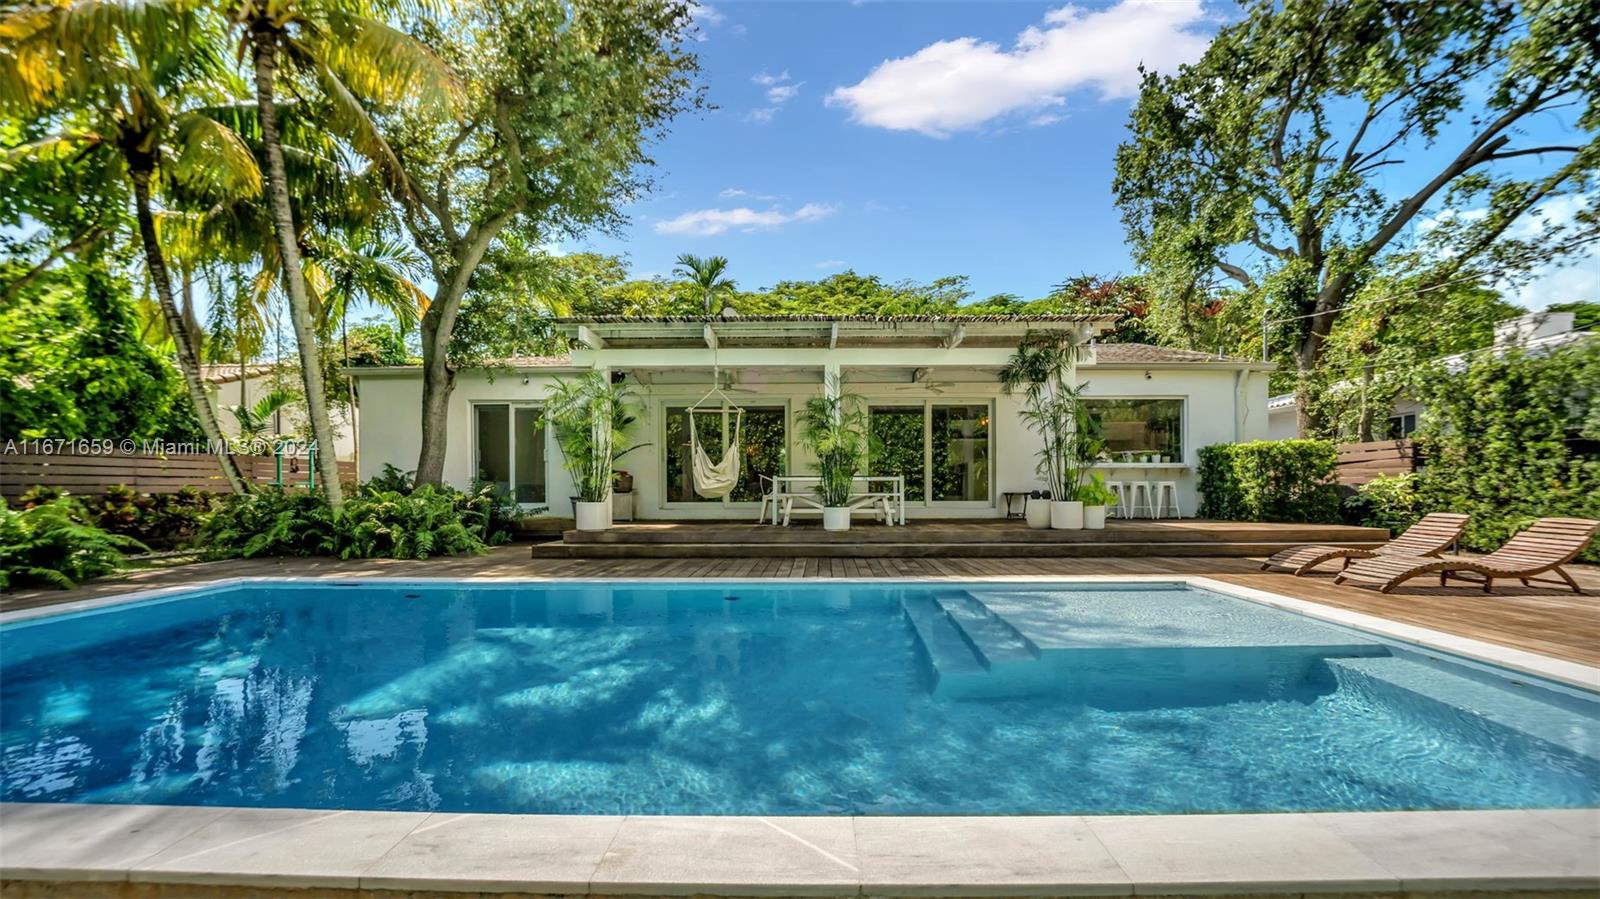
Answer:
(1535, 332)
(235, 385)
(930, 385)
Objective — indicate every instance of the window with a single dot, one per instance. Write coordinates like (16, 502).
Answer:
(960, 467)
(762, 442)
(510, 450)
(898, 435)
(1140, 427)
(1402, 425)
(941, 449)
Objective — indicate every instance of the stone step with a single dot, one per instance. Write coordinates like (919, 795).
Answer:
(906, 550)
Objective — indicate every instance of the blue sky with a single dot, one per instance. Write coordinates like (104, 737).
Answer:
(797, 186)
(918, 139)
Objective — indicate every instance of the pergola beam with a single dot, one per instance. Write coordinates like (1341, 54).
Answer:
(590, 339)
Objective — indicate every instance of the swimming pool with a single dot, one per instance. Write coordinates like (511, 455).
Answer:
(765, 698)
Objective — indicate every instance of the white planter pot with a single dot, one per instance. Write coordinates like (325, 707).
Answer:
(836, 518)
(1094, 518)
(593, 516)
(1037, 513)
(1066, 516)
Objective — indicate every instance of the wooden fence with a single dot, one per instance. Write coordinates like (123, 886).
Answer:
(1361, 462)
(92, 474)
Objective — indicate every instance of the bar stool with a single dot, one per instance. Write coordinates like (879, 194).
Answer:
(1119, 489)
(1166, 491)
(1143, 496)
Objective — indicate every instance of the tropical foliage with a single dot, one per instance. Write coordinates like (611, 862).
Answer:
(1070, 438)
(591, 417)
(157, 520)
(56, 544)
(1511, 438)
(834, 429)
(1271, 161)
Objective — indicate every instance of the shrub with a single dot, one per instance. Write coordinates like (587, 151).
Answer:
(1387, 501)
(428, 521)
(270, 522)
(54, 543)
(391, 480)
(1269, 480)
(374, 523)
(163, 520)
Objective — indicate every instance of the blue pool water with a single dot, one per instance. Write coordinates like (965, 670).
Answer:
(831, 698)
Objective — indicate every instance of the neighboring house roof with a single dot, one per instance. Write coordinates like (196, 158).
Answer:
(516, 363)
(228, 372)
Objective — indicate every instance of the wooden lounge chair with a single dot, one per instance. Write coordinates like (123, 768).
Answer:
(1429, 537)
(1546, 545)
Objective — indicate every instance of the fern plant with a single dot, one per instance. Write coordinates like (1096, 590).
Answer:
(54, 544)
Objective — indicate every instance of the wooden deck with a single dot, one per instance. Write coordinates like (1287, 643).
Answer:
(1538, 619)
(969, 538)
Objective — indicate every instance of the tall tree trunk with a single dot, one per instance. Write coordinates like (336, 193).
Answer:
(1364, 425)
(264, 44)
(437, 383)
(188, 358)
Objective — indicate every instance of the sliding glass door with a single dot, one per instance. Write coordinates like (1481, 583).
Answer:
(763, 442)
(509, 450)
(941, 449)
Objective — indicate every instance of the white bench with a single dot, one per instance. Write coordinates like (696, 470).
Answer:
(787, 492)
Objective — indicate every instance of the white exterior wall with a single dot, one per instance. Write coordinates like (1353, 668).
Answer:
(294, 415)
(1283, 424)
(1221, 406)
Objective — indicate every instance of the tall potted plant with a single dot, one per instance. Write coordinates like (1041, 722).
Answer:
(591, 417)
(834, 428)
(1040, 367)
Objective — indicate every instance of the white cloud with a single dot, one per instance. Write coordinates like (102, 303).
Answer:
(782, 93)
(964, 83)
(1576, 277)
(704, 16)
(780, 90)
(733, 193)
(707, 222)
(829, 263)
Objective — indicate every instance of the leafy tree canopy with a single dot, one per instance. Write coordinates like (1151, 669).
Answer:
(1272, 161)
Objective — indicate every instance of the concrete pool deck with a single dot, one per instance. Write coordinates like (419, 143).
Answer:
(53, 849)
(85, 850)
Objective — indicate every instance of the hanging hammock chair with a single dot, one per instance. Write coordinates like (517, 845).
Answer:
(715, 480)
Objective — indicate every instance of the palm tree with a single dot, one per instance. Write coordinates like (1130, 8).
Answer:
(707, 274)
(343, 47)
(255, 421)
(125, 79)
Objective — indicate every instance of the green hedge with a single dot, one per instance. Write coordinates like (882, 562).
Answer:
(1269, 480)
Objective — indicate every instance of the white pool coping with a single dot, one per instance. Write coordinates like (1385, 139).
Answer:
(1112, 855)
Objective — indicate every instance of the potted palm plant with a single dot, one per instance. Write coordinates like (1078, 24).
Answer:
(1040, 368)
(834, 429)
(591, 417)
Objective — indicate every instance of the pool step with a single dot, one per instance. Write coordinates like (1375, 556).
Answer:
(1442, 691)
(993, 640)
(951, 659)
